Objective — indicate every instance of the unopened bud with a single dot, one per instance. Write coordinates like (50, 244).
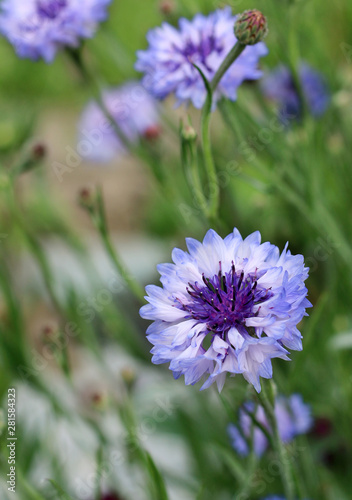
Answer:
(167, 7)
(129, 377)
(189, 133)
(152, 132)
(39, 151)
(251, 27)
(99, 401)
(50, 333)
(87, 198)
(110, 496)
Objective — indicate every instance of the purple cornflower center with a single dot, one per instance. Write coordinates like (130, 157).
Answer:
(225, 300)
(50, 8)
(201, 50)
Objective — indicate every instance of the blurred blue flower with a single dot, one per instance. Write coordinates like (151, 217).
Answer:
(39, 28)
(227, 306)
(279, 86)
(204, 41)
(135, 112)
(293, 417)
(274, 497)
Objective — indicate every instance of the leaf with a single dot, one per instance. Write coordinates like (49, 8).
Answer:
(156, 477)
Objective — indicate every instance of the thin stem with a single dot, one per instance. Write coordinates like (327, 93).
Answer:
(234, 53)
(286, 473)
(99, 220)
(189, 157)
(214, 190)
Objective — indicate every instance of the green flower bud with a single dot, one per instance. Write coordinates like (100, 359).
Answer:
(188, 133)
(251, 27)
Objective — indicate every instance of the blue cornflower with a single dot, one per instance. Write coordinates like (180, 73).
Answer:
(39, 28)
(293, 418)
(274, 497)
(227, 306)
(279, 86)
(135, 112)
(204, 41)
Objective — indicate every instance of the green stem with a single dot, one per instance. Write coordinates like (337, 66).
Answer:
(190, 163)
(214, 190)
(234, 53)
(268, 403)
(99, 220)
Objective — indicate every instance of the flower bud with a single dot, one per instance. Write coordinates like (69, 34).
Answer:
(110, 496)
(167, 7)
(189, 133)
(152, 133)
(129, 377)
(251, 27)
(39, 151)
(50, 333)
(87, 198)
(99, 401)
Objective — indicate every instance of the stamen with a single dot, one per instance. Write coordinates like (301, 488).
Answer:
(220, 272)
(224, 287)
(212, 303)
(240, 280)
(218, 295)
(248, 301)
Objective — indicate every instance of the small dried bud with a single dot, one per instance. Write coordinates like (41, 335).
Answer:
(110, 496)
(128, 375)
(152, 132)
(189, 133)
(39, 151)
(87, 198)
(50, 333)
(251, 27)
(99, 400)
(167, 7)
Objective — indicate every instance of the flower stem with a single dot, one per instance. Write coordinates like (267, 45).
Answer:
(214, 190)
(99, 220)
(190, 163)
(268, 401)
(231, 57)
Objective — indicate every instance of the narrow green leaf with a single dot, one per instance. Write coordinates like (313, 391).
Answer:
(156, 477)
